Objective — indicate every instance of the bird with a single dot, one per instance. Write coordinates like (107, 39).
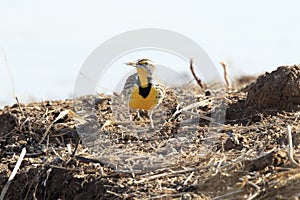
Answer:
(142, 90)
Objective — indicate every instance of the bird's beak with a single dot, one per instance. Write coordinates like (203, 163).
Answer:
(131, 63)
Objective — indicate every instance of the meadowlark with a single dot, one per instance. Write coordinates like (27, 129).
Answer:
(142, 90)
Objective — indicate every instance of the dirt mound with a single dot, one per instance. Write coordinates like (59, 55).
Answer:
(279, 89)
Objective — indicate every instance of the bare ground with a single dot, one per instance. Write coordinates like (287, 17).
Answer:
(250, 160)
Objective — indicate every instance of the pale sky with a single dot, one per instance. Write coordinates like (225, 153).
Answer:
(46, 42)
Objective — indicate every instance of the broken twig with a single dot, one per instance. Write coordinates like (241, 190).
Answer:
(14, 172)
(60, 116)
(194, 74)
(226, 77)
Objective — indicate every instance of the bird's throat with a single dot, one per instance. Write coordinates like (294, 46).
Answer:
(143, 76)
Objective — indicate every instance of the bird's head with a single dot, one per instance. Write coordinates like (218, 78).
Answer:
(145, 64)
(145, 68)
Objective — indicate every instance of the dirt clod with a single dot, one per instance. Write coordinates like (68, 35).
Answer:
(279, 89)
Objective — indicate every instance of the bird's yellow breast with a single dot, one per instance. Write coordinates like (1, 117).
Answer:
(145, 100)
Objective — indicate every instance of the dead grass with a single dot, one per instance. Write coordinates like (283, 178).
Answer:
(251, 157)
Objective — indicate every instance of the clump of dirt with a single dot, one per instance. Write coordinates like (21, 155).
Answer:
(279, 89)
(7, 123)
